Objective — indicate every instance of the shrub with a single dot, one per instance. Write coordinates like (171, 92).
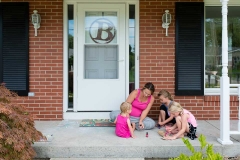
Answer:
(206, 152)
(17, 131)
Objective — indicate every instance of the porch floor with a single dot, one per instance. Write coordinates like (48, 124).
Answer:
(71, 141)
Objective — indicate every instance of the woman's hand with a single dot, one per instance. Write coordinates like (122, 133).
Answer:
(141, 125)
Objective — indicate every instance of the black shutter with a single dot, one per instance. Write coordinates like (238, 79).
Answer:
(14, 46)
(189, 64)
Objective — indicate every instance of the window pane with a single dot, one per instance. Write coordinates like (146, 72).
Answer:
(131, 48)
(213, 42)
(101, 62)
(101, 27)
(70, 55)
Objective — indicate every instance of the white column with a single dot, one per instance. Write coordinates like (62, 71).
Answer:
(224, 83)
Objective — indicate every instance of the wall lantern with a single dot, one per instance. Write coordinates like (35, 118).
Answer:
(166, 20)
(36, 20)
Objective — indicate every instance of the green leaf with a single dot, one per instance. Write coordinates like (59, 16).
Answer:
(203, 154)
(188, 144)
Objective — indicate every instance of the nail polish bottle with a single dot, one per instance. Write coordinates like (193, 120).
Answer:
(146, 134)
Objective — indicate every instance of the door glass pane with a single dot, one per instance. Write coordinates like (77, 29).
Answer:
(213, 42)
(101, 27)
(70, 55)
(101, 62)
(131, 48)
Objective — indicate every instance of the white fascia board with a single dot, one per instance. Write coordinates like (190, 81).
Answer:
(219, 3)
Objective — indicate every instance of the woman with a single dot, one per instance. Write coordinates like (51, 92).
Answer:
(164, 116)
(142, 101)
(185, 123)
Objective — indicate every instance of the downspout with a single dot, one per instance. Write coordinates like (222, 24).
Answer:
(224, 82)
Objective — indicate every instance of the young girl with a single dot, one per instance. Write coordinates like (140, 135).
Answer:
(123, 125)
(164, 117)
(185, 123)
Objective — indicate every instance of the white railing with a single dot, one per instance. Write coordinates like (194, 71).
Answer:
(238, 128)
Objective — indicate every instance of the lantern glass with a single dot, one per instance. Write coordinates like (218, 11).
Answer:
(166, 18)
(39, 18)
(34, 19)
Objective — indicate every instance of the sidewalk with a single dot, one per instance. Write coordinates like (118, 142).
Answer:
(71, 141)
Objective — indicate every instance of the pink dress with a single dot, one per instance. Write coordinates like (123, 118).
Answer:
(138, 107)
(191, 118)
(122, 129)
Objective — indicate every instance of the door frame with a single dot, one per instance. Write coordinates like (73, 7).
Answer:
(72, 113)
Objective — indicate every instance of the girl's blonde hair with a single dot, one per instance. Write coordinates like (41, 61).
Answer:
(166, 94)
(125, 106)
(175, 107)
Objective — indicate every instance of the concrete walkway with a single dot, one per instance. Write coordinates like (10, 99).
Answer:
(71, 141)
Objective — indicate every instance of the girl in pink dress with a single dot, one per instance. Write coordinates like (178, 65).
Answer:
(123, 125)
(185, 123)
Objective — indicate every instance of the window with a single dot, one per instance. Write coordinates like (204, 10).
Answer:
(131, 48)
(70, 55)
(213, 45)
(198, 67)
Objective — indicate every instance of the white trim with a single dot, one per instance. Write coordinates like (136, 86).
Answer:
(75, 114)
(216, 91)
(75, 100)
(136, 3)
(127, 49)
(109, 1)
(137, 77)
(218, 2)
(65, 59)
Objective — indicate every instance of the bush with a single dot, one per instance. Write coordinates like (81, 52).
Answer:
(17, 131)
(206, 152)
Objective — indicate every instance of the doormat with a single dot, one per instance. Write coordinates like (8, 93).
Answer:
(96, 123)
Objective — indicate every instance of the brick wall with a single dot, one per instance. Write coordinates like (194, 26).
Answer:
(157, 61)
(157, 57)
(46, 60)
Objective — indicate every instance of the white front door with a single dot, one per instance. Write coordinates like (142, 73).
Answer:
(100, 64)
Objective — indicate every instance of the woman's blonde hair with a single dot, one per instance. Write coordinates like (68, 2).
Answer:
(166, 94)
(125, 106)
(175, 107)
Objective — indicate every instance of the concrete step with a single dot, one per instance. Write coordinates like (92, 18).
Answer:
(84, 143)
(97, 159)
